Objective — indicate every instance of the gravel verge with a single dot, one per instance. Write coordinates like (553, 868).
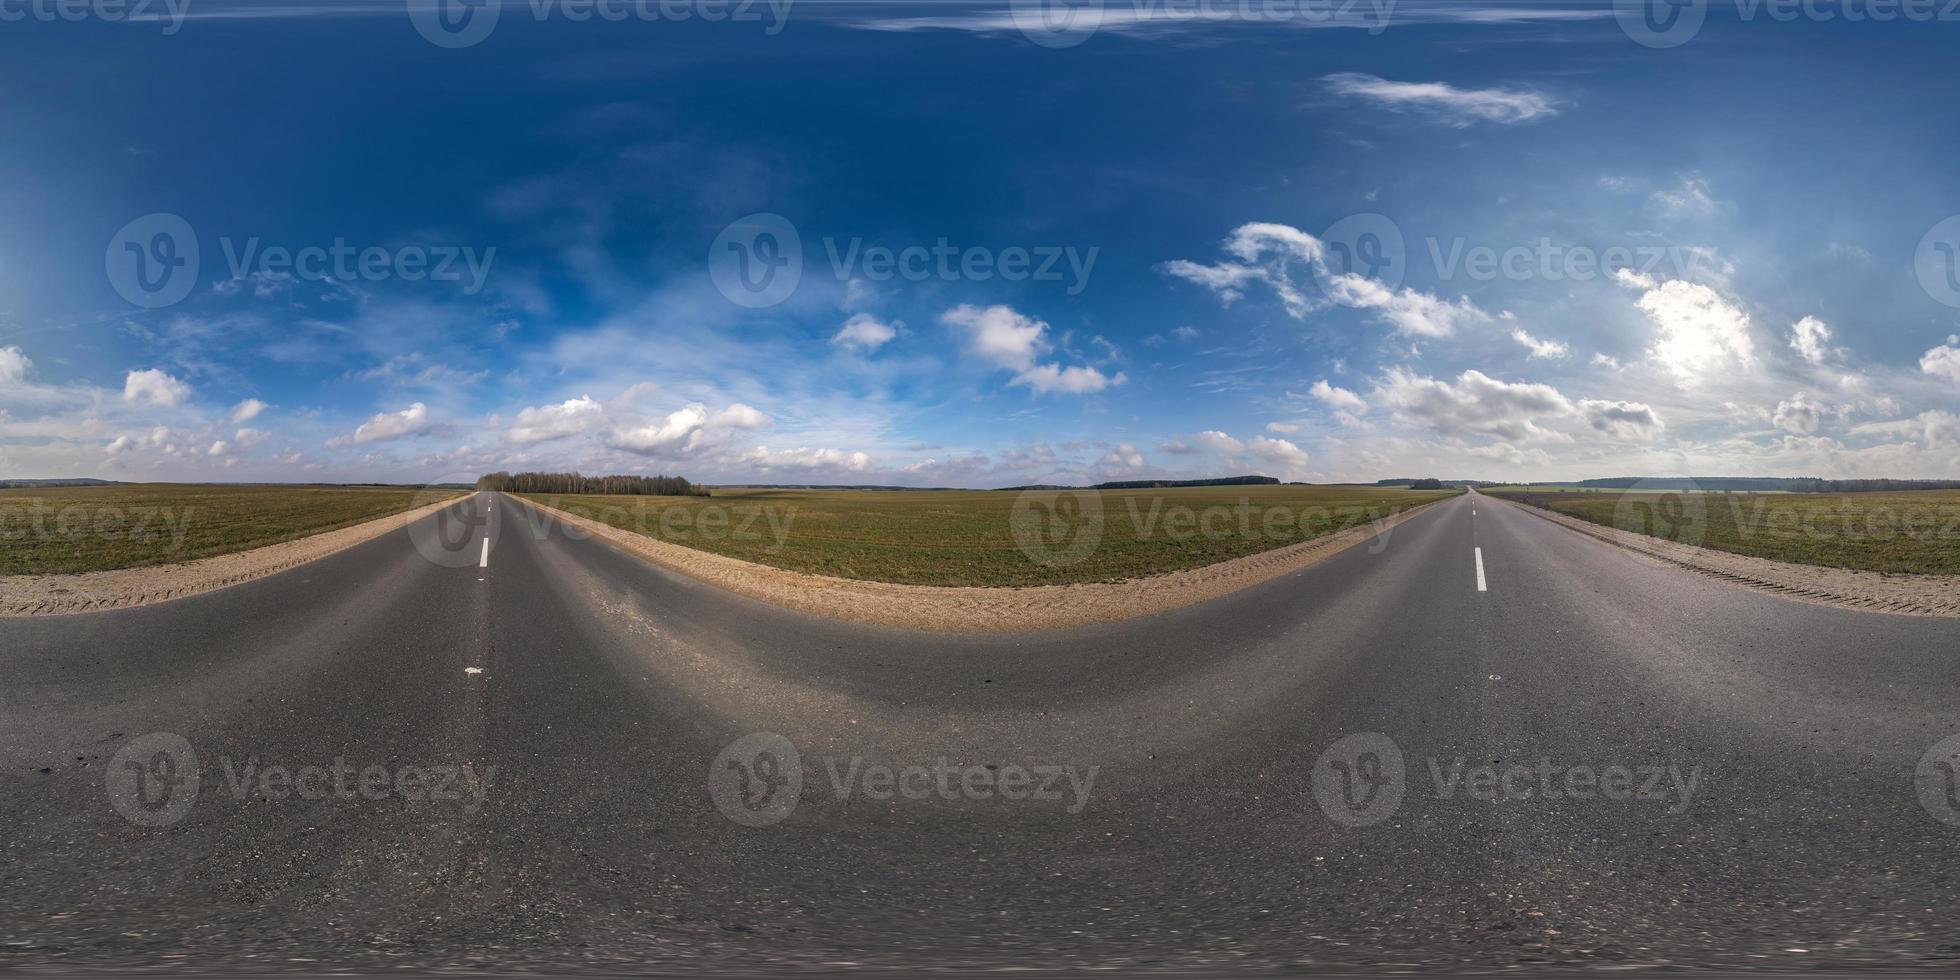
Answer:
(1907, 595)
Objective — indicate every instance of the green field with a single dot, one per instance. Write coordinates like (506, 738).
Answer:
(981, 537)
(87, 529)
(1909, 531)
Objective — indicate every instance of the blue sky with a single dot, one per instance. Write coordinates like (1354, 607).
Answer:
(1505, 241)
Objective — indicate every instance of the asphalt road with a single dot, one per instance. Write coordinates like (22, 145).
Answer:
(405, 761)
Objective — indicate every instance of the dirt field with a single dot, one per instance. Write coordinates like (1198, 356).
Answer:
(48, 531)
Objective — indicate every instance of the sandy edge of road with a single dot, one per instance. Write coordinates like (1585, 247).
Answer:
(981, 609)
(1903, 594)
(58, 595)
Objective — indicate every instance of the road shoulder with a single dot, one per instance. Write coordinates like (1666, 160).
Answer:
(1844, 588)
(950, 609)
(59, 595)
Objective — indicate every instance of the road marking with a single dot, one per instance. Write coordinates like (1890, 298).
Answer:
(484, 562)
(1481, 586)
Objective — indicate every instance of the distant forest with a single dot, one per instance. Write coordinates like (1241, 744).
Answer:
(661, 486)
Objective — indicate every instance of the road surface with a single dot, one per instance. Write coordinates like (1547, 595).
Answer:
(1485, 741)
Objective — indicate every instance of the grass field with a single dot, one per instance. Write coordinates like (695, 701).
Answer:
(982, 537)
(87, 529)
(1910, 531)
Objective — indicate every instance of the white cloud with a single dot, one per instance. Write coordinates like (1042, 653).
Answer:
(1218, 442)
(546, 422)
(154, 387)
(1278, 451)
(1010, 341)
(1697, 332)
(13, 364)
(806, 459)
(247, 410)
(679, 430)
(1691, 197)
(1799, 415)
(1606, 361)
(1539, 348)
(1283, 428)
(738, 416)
(1409, 311)
(1625, 420)
(865, 333)
(1811, 338)
(1178, 447)
(218, 448)
(410, 421)
(1475, 404)
(1457, 107)
(1340, 398)
(1943, 361)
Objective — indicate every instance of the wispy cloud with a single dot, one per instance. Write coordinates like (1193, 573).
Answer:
(1454, 106)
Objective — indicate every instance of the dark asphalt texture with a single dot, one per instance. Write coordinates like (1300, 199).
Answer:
(1191, 839)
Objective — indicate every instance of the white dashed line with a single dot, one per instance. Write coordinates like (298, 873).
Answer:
(484, 562)
(1481, 587)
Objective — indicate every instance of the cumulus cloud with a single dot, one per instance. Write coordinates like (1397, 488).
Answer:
(545, 422)
(1624, 420)
(1697, 331)
(1339, 398)
(1277, 451)
(1943, 361)
(154, 387)
(1271, 254)
(684, 430)
(1800, 415)
(1454, 106)
(13, 364)
(1539, 348)
(1013, 342)
(247, 410)
(762, 457)
(1811, 338)
(1284, 428)
(1475, 403)
(413, 420)
(865, 333)
(1218, 442)
(247, 437)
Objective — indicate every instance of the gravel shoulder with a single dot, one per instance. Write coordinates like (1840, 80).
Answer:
(951, 609)
(57, 595)
(1908, 595)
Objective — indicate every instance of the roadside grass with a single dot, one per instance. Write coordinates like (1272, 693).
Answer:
(960, 537)
(1909, 531)
(90, 529)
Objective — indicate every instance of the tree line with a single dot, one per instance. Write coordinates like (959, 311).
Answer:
(662, 486)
